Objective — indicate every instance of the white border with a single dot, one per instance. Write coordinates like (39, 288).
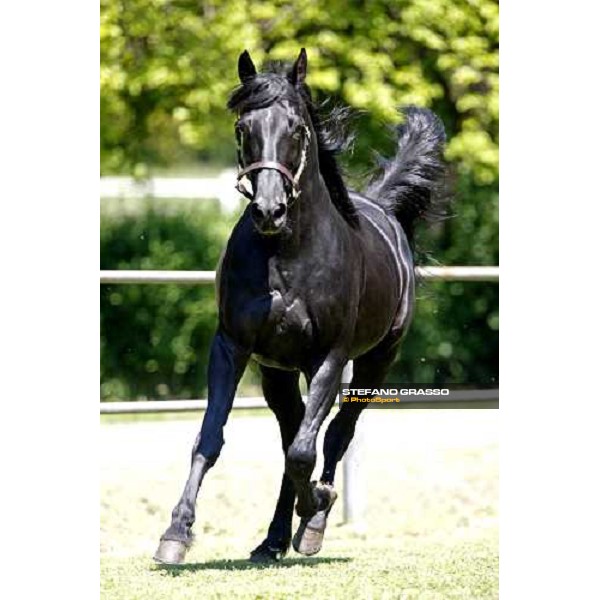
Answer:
(49, 127)
(549, 356)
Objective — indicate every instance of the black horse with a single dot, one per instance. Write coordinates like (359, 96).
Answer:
(313, 276)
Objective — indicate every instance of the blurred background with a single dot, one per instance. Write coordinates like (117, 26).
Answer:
(167, 68)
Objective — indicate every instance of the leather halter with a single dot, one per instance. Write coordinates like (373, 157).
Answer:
(267, 164)
(293, 178)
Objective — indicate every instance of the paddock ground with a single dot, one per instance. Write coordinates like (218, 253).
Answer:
(431, 522)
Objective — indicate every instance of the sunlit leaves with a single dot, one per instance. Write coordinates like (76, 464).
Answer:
(178, 58)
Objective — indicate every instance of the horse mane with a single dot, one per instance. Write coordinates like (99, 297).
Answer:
(331, 126)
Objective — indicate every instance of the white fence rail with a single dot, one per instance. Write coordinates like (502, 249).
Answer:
(170, 187)
(490, 274)
(220, 186)
(475, 398)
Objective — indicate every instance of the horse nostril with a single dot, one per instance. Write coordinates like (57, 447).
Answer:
(257, 213)
(279, 211)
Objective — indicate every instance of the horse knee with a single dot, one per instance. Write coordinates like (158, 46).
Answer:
(300, 462)
(208, 447)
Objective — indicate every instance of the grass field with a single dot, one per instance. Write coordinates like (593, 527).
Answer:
(430, 528)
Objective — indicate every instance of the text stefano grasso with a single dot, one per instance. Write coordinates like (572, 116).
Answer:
(395, 392)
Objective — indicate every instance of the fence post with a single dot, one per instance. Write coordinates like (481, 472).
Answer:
(355, 488)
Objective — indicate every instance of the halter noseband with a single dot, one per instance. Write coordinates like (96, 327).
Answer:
(293, 178)
(267, 164)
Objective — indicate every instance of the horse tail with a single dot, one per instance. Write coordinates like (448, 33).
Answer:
(411, 185)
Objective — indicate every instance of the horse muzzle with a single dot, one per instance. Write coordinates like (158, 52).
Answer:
(269, 218)
(269, 205)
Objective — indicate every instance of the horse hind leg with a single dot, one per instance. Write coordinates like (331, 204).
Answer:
(282, 394)
(370, 371)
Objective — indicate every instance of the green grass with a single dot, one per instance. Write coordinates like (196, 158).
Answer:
(464, 569)
(430, 528)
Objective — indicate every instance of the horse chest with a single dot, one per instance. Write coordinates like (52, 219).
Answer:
(288, 317)
(286, 333)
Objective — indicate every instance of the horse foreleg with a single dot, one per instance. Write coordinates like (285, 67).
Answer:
(314, 501)
(226, 366)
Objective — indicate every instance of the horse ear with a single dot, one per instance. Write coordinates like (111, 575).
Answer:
(298, 73)
(246, 68)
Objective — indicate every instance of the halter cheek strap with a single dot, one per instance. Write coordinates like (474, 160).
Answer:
(293, 178)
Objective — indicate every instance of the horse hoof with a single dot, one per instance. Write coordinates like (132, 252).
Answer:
(264, 554)
(170, 552)
(308, 539)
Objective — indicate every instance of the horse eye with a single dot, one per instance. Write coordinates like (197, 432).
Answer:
(297, 135)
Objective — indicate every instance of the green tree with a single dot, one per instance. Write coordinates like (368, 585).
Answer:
(168, 66)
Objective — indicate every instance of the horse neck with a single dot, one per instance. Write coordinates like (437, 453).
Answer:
(311, 215)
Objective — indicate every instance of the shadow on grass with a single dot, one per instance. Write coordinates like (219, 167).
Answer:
(244, 565)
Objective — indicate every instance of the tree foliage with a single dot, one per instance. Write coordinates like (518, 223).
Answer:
(167, 67)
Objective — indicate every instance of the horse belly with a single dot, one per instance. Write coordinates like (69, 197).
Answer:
(377, 312)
